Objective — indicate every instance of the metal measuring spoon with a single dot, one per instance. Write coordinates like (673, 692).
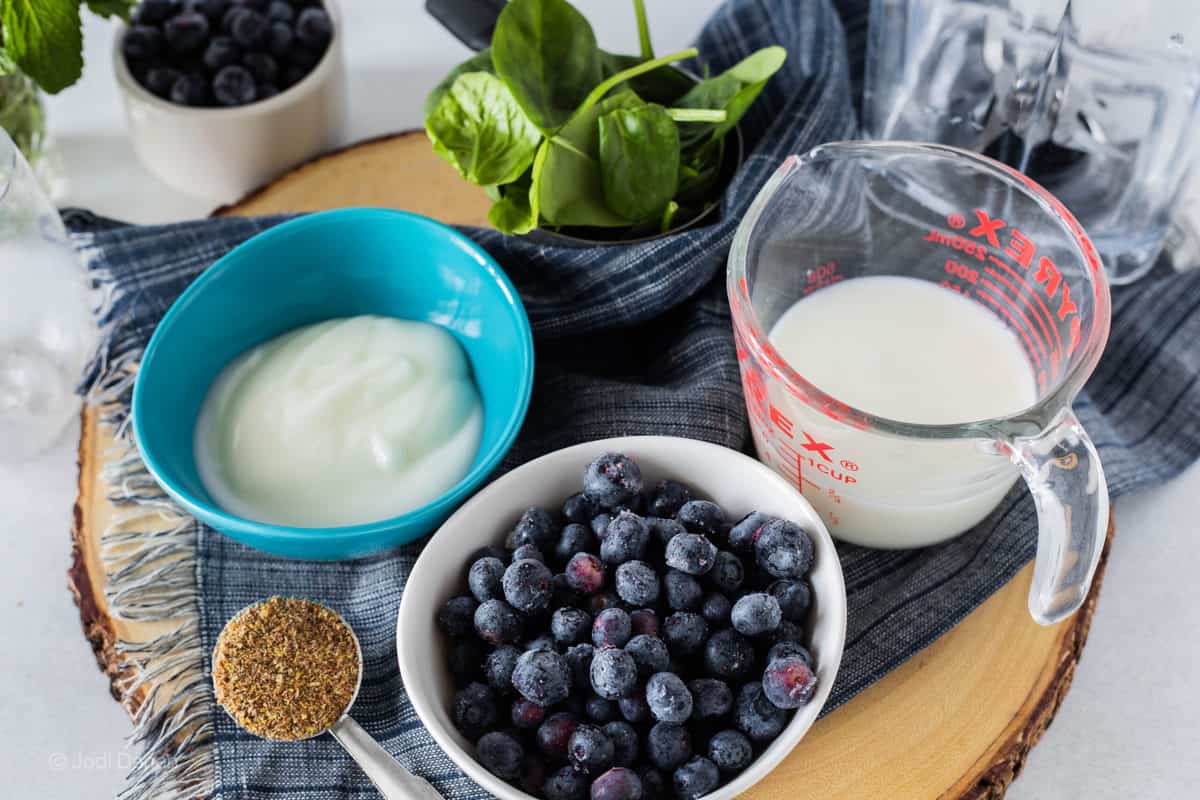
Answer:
(392, 780)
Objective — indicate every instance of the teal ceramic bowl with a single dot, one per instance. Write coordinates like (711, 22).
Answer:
(322, 266)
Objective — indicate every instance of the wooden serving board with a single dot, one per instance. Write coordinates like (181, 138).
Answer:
(956, 721)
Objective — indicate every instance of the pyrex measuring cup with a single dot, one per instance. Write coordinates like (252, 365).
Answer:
(975, 227)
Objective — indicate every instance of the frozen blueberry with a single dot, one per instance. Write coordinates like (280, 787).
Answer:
(668, 745)
(691, 553)
(727, 573)
(570, 625)
(474, 710)
(279, 39)
(625, 539)
(554, 733)
(585, 573)
(599, 525)
(701, 516)
(789, 648)
(787, 632)
(711, 698)
(489, 551)
(613, 673)
(536, 527)
(793, 596)
(789, 681)
(682, 590)
(731, 751)
(589, 750)
(579, 659)
(783, 549)
(159, 80)
(685, 632)
(634, 707)
(186, 32)
(234, 86)
(696, 778)
(527, 714)
(743, 535)
(247, 27)
(528, 551)
(611, 628)
(267, 91)
(221, 52)
(637, 583)
(466, 659)
(314, 28)
(644, 620)
(575, 538)
(528, 585)
(612, 480)
(501, 753)
(579, 508)
(602, 600)
(600, 710)
(653, 785)
(280, 10)
(142, 42)
(667, 498)
(715, 609)
(625, 742)
(618, 783)
(729, 655)
(755, 614)
(668, 697)
(496, 622)
(664, 529)
(543, 642)
(566, 784)
(457, 616)
(498, 667)
(153, 12)
(485, 577)
(261, 66)
(649, 653)
(542, 676)
(755, 715)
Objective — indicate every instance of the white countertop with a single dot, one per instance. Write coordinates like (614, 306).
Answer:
(1128, 729)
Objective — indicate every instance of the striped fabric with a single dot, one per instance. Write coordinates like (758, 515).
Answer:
(636, 340)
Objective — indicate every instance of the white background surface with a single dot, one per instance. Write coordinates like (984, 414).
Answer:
(1130, 727)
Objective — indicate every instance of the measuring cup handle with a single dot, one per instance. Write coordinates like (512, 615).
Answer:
(1063, 472)
(393, 781)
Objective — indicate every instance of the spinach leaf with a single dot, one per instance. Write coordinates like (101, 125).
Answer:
(698, 170)
(478, 127)
(639, 160)
(733, 91)
(546, 52)
(515, 211)
(480, 62)
(661, 85)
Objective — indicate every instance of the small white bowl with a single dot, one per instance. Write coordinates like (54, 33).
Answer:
(738, 483)
(222, 153)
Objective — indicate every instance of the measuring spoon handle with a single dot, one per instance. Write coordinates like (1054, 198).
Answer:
(392, 780)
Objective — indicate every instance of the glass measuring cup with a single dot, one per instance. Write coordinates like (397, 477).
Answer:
(978, 228)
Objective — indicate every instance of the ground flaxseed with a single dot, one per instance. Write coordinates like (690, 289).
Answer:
(286, 668)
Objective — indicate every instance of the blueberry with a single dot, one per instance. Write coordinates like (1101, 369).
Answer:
(221, 52)
(667, 498)
(484, 579)
(715, 609)
(466, 657)
(727, 574)
(570, 625)
(303, 57)
(668, 697)
(668, 745)
(589, 750)
(794, 597)
(579, 508)
(637, 583)
(543, 642)
(457, 616)
(731, 751)
(612, 480)
(533, 774)
(234, 86)
(575, 538)
(696, 778)
(142, 42)
(783, 549)
(755, 715)
(755, 614)
(563, 594)
(159, 80)
(186, 32)
(553, 735)
(281, 11)
(743, 535)
(262, 67)
(600, 710)
(599, 525)
(644, 620)
(566, 784)
(625, 539)
(213, 9)
(536, 527)
(579, 660)
(789, 681)
(153, 12)
(634, 707)
(729, 655)
(625, 742)
(664, 529)
(649, 653)
(617, 784)
(789, 648)
(602, 600)
(585, 573)
(542, 676)
(501, 753)
(653, 785)
(527, 714)
(685, 632)
(496, 622)
(711, 698)
(692, 553)
(498, 667)
(611, 628)
(682, 590)
(489, 551)
(787, 632)
(474, 710)
(279, 40)
(247, 27)
(701, 516)
(314, 28)
(528, 551)
(613, 673)
(528, 585)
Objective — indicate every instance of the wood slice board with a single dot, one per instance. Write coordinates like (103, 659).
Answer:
(956, 721)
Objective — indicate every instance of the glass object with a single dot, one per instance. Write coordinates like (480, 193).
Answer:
(1095, 100)
(975, 227)
(47, 329)
(22, 115)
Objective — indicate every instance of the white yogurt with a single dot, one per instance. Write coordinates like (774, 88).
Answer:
(340, 423)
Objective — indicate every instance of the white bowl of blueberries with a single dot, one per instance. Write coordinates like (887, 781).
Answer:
(628, 619)
(223, 95)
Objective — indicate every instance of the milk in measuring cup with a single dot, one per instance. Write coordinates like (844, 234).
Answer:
(911, 351)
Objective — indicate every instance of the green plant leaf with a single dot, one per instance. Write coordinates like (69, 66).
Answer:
(45, 39)
(112, 8)
(660, 85)
(7, 65)
(546, 52)
(639, 161)
(516, 209)
(639, 11)
(733, 91)
(480, 62)
(478, 127)
(698, 170)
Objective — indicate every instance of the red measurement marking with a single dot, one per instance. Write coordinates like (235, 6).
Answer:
(820, 448)
(1029, 292)
(1045, 329)
(1029, 348)
(987, 227)
(1020, 314)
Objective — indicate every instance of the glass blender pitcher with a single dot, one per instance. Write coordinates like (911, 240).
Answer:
(972, 226)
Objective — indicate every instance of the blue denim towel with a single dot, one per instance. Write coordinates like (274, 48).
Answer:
(636, 340)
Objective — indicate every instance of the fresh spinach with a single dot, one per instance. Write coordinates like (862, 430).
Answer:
(639, 160)
(732, 91)
(480, 62)
(515, 209)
